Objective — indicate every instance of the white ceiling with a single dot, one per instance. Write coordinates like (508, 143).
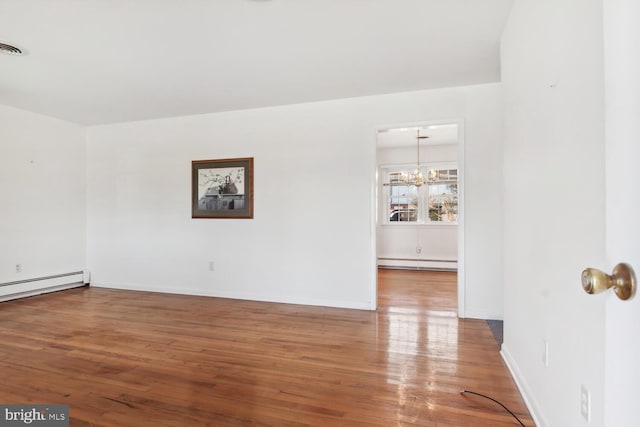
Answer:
(406, 137)
(105, 61)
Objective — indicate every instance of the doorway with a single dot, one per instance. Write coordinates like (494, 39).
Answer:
(419, 199)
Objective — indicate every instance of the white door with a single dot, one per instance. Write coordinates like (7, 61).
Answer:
(622, 86)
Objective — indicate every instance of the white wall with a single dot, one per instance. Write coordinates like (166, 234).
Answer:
(622, 70)
(397, 242)
(42, 182)
(554, 204)
(483, 206)
(311, 239)
(429, 154)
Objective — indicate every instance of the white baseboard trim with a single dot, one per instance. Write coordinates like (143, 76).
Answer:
(357, 305)
(523, 387)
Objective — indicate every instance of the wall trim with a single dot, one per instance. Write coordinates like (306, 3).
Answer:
(357, 305)
(523, 387)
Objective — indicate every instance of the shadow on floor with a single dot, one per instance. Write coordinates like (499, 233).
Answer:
(496, 327)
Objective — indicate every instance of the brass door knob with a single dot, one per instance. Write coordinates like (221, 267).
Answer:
(622, 280)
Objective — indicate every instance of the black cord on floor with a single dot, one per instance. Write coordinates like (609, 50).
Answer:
(494, 400)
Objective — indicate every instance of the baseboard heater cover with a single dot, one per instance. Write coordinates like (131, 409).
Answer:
(409, 267)
(40, 285)
(417, 259)
(393, 263)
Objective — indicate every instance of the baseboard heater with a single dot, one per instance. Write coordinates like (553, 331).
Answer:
(40, 285)
(418, 264)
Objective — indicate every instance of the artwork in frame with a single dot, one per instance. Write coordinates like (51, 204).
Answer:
(222, 188)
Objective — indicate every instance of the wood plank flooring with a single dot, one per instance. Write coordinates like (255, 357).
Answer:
(122, 358)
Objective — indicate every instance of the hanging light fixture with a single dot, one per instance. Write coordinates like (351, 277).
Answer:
(418, 179)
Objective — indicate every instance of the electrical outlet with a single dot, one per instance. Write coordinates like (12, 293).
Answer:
(585, 403)
(418, 249)
(212, 266)
(545, 354)
(18, 268)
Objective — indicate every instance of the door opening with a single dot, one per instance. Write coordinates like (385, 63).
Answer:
(419, 199)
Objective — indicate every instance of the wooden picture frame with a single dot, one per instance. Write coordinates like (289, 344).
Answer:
(222, 188)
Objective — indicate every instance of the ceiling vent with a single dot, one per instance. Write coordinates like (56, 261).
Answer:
(7, 48)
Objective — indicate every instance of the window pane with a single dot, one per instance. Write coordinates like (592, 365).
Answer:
(403, 203)
(443, 195)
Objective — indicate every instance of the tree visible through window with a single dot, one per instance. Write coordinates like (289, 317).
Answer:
(436, 201)
(443, 195)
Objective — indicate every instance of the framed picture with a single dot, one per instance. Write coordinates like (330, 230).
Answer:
(222, 188)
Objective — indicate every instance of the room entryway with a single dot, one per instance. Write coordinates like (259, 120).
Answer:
(418, 201)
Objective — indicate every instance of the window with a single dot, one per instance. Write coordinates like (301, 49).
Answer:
(434, 202)
(402, 198)
(443, 195)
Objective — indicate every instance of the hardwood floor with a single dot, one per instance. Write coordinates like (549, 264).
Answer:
(122, 358)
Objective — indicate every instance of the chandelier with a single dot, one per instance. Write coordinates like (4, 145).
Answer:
(418, 179)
